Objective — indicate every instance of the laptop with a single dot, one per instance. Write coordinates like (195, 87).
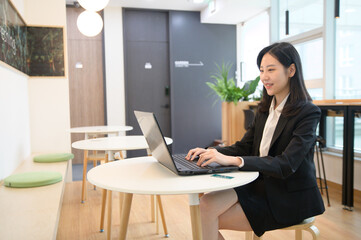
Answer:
(176, 163)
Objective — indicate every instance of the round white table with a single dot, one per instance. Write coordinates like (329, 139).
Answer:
(118, 143)
(145, 175)
(110, 145)
(95, 130)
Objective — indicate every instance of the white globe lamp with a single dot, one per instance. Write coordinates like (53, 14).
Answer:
(89, 23)
(93, 5)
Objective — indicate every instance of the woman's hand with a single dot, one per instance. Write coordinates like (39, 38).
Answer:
(207, 156)
(193, 153)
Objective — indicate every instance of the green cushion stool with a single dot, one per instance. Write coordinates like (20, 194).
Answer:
(53, 157)
(32, 179)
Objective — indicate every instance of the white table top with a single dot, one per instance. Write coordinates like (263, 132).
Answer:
(144, 175)
(100, 129)
(115, 143)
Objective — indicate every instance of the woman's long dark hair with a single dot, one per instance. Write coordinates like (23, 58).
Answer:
(286, 54)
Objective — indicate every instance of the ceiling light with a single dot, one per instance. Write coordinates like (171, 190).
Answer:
(93, 5)
(90, 23)
(198, 1)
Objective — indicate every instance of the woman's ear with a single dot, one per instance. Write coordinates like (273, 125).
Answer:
(291, 70)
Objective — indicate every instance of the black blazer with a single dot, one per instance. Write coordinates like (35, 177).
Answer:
(288, 170)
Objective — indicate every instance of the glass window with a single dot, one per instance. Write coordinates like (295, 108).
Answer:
(348, 50)
(357, 145)
(316, 93)
(335, 132)
(338, 140)
(255, 37)
(303, 16)
(311, 53)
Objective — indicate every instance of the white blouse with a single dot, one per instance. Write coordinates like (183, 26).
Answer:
(269, 128)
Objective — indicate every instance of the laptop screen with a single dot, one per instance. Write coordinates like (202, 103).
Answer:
(155, 138)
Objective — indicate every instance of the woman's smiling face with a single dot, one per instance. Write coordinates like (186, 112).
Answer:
(275, 77)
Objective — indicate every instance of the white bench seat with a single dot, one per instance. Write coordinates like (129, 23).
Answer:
(32, 213)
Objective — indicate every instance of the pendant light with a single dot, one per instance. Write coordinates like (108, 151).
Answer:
(93, 5)
(287, 20)
(337, 8)
(90, 23)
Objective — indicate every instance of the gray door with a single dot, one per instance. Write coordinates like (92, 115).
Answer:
(196, 118)
(146, 68)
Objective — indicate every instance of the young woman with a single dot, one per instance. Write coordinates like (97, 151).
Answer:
(279, 145)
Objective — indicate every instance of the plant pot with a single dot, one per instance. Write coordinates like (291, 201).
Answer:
(234, 120)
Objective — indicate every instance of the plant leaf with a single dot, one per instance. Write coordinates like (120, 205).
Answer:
(226, 88)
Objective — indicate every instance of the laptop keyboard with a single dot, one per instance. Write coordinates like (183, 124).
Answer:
(180, 159)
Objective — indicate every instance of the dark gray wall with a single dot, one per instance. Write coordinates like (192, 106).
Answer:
(195, 119)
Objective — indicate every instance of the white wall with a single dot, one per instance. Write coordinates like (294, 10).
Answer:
(49, 115)
(240, 51)
(19, 5)
(45, 12)
(114, 62)
(48, 97)
(35, 111)
(14, 121)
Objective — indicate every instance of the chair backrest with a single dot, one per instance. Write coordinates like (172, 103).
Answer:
(248, 118)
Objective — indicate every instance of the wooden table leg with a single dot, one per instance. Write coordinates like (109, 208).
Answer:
(83, 190)
(124, 215)
(159, 200)
(195, 216)
(156, 217)
(121, 202)
(104, 200)
(152, 213)
(102, 212)
(95, 164)
(110, 205)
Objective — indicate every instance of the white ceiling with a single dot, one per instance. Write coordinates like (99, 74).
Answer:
(227, 11)
(187, 5)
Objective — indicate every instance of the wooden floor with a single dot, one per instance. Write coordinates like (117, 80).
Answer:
(81, 221)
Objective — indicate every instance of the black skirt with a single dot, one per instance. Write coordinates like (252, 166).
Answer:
(253, 200)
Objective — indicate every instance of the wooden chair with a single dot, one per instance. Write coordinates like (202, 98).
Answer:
(95, 157)
(306, 225)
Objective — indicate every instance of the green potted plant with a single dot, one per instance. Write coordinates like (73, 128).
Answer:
(235, 101)
(227, 89)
